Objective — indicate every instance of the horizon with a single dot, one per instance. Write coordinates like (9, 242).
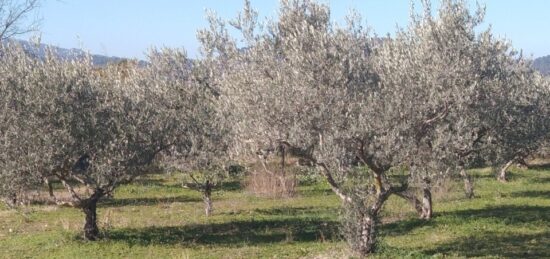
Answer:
(127, 28)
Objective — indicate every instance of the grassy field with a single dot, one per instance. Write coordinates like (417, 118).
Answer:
(157, 218)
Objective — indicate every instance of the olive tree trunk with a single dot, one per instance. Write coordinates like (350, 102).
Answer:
(50, 189)
(363, 232)
(367, 238)
(89, 207)
(207, 198)
(468, 184)
(502, 173)
(426, 200)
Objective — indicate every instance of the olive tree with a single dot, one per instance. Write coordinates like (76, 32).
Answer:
(526, 129)
(201, 154)
(21, 160)
(305, 84)
(94, 129)
(204, 181)
(482, 101)
(339, 98)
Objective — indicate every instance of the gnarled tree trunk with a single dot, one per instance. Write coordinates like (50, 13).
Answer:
(366, 241)
(89, 207)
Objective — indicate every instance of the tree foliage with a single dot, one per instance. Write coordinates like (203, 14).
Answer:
(432, 99)
(375, 116)
(94, 129)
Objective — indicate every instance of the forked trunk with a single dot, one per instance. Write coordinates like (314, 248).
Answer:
(366, 241)
(468, 184)
(426, 201)
(89, 207)
(502, 173)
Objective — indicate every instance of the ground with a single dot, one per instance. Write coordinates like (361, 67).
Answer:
(156, 217)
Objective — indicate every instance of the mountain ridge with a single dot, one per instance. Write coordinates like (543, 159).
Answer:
(541, 64)
(40, 50)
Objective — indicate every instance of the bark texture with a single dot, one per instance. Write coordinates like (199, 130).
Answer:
(89, 207)
(367, 240)
(426, 202)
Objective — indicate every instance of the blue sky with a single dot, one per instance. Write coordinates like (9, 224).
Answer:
(127, 28)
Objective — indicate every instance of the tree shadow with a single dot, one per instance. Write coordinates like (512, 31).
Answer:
(117, 202)
(149, 182)
(543, 180)
(224, 186)
(296, 211)
(532, 194)
(288, 211)
(402, 227)
(237, 233)
(477, 175)
(497, 244)
(316, 192)
(540, 167)
(508, 214)
(230, 186)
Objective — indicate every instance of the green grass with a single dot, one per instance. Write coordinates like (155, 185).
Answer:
(156, 218)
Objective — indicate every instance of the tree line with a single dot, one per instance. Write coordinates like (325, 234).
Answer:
(375, 116)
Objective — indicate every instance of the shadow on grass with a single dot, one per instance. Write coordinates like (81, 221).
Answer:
(477, 175)
(540, 167)
(403, 227)
(543, 180)
(499, 245)
(225, 186)
(532, 194)
(316, 192)
(149, 182)
(237, 233)
(306, 212)
(508, 214)
(230, 186)
(145, 201)
(297, 211)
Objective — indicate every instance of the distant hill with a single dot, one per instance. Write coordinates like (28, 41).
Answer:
(542, 64)
(72, 54)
